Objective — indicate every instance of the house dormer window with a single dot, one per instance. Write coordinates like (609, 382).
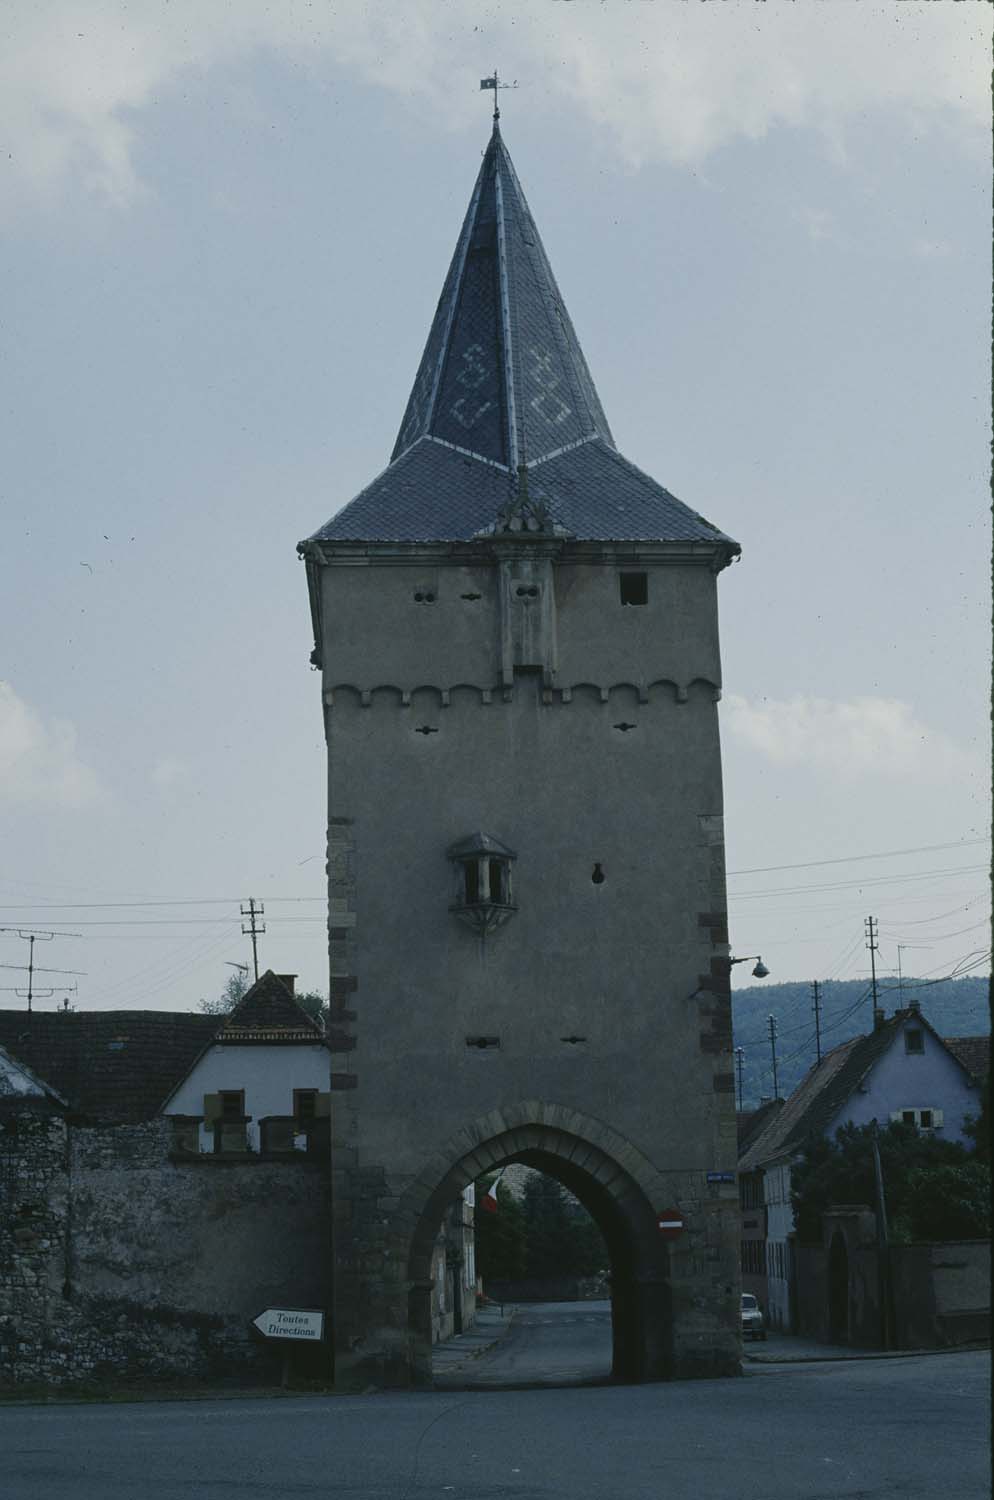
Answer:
(483, 891)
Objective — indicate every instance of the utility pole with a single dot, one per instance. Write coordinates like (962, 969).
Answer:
(773, 1052)
(254, 929)
(739, 1054)
(816, 1007)
(871, 926)
(883, 1244)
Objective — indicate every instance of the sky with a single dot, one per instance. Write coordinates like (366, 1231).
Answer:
(225, 228)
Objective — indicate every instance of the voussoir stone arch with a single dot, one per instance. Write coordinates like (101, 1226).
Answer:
(580, 1141)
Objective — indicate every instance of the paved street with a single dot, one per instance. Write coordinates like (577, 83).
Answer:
(546, 1343)
(872, 1430)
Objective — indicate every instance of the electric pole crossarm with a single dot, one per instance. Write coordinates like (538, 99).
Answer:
(254, 928)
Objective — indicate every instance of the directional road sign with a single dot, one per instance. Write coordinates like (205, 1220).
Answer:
(290, 1323)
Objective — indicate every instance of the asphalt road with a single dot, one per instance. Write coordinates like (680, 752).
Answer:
(875, 1430)
(548, 1343)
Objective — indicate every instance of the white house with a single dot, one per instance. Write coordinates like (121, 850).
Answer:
(262, 1084)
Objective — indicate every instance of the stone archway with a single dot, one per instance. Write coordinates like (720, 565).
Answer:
(616, 1196)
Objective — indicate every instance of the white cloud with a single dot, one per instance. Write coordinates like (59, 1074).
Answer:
(662, 80)
(167, 770)
(38, 761)
(862, 737)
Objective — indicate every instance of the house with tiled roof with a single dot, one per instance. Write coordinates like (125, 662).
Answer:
(261, 1083)
(902, 1070)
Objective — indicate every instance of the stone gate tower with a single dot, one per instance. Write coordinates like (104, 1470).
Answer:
(517, 635)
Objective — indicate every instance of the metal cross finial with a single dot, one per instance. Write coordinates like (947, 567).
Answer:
(493, 82)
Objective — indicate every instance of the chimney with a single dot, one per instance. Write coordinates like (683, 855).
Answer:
(287, 979)
(915, 1005)
(879, 1017)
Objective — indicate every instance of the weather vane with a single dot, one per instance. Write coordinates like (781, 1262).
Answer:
(493, 82)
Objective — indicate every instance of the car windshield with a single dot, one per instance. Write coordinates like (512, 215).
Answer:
(749, 1303)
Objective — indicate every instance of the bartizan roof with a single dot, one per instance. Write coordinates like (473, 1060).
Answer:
(503, 387)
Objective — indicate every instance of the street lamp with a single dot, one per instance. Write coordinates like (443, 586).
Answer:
(759, 972)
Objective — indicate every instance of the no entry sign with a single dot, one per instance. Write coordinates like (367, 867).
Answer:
(670, 1223)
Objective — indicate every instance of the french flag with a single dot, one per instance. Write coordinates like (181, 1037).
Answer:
(489, 1201)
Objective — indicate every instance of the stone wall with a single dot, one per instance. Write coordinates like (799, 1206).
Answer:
(119, 1262)
(940, 1294)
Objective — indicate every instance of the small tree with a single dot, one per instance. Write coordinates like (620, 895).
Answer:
(500, 1236)
(235, 987)
(561, 1237)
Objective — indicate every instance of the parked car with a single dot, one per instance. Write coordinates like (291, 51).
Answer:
(753, 1325)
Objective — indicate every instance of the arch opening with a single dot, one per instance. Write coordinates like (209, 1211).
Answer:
(641, 1343)
(838, 1289)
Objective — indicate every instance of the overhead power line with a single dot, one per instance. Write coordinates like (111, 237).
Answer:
(849, 859)
(841, 885)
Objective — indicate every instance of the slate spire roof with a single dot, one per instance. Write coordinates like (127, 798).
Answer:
(503, 385)
(502, 374)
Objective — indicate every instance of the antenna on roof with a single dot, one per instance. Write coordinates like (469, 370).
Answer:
(31, 938)
(493, 82)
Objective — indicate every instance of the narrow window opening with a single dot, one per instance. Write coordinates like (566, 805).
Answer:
(926, 1119)
(233, 1104)
(624, 727)
(497, 882)
(482, 1042)
(908, 1116)
(472, 872)
(634, 588)
(426, 729)
(598, 877)
(471, 596)
(914, 1041)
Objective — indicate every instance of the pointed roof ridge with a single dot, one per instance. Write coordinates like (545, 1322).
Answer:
(268, 1007)
(502, 373)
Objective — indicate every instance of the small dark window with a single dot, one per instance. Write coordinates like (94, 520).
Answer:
(634, 588)
(233, 1105)
(472, 873)
(914, 1041)
(305, 1104)
(497, 881)
(926, 1119)
(908, 1117)
(598, 877)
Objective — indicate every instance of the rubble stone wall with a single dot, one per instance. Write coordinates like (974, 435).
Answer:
(118, 1262)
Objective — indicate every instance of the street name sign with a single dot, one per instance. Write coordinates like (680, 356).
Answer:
(670, 1223)
(721, 1176)
(290, 1323)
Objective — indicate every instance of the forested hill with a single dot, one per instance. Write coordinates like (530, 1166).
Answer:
(955, 1007)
